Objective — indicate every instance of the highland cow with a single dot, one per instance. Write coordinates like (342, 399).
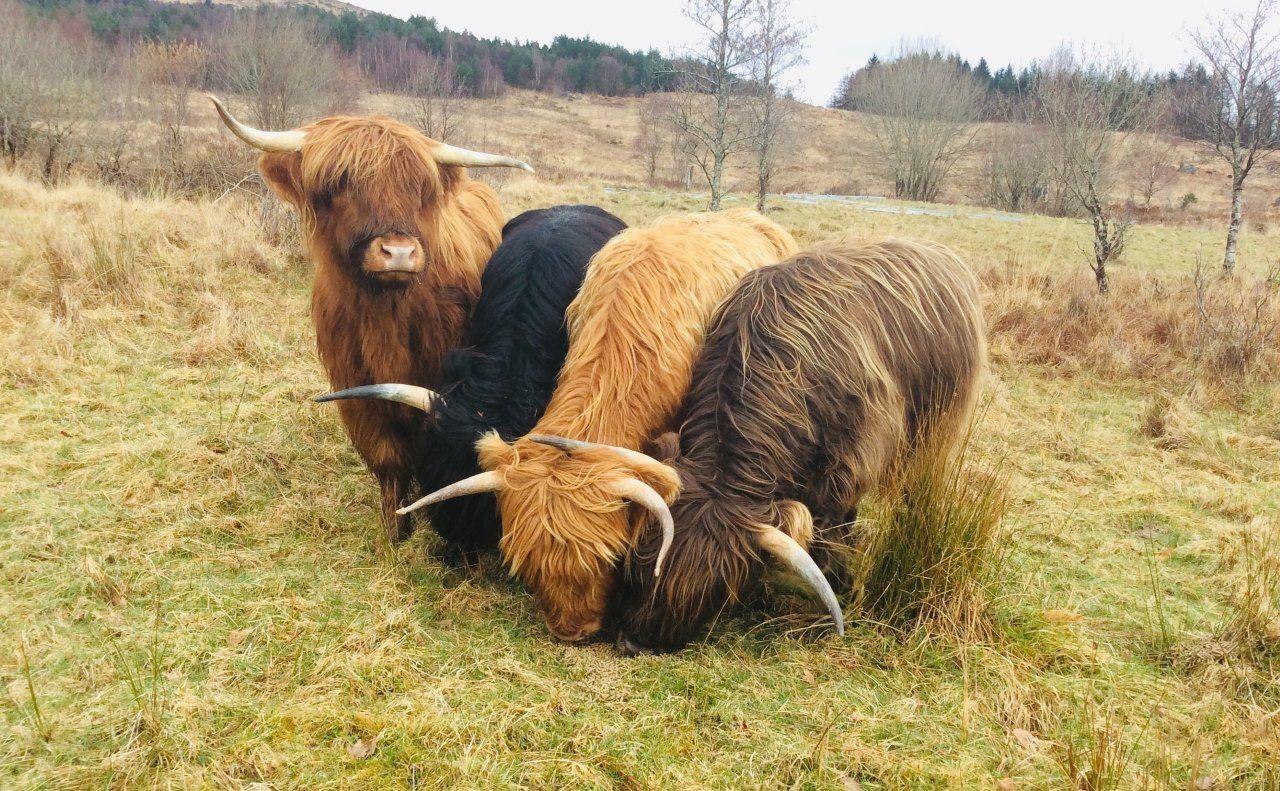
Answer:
(501, 381)
(634, 332)
(398, 235)
(818, 376)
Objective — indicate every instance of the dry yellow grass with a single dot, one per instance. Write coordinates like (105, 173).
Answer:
(192, 595)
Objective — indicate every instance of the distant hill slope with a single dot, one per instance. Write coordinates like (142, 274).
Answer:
(331, 6)
(481, 66)
(586, 140)
(579, 137)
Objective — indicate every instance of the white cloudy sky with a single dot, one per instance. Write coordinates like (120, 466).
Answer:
(846, 33)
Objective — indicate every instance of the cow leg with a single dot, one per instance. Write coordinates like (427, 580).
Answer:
(396, 526)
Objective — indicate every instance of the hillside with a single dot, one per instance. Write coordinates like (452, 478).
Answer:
(329, 6)
(582, 136)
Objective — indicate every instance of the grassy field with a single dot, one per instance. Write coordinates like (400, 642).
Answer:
(193, 592)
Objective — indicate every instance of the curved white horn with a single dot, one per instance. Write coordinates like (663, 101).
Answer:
(477, 484)
(417, 397)
(259, 138)
(632, 457)
(788, 550)
(644, 495)
(446, 154)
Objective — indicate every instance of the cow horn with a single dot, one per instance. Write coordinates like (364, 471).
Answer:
(646, 496)
(477, 484)
(632, 457)
(417, 397)
(788, 550)
(637, 491)
(258, 138)
(446, 154)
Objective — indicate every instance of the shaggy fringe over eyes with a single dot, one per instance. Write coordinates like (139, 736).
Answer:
(633, 332)
(391, 158)
(817, 374)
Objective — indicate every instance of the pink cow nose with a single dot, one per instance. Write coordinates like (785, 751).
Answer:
(399, 257)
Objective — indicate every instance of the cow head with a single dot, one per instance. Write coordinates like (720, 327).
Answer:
(369, 190)
(567, 518)
(720, 550)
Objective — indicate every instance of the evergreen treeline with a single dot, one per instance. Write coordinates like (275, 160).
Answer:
(483, 65)
(1008, 85)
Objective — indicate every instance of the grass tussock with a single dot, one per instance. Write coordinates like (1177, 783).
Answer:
(935, 551)
(1097, 755)
(1168, 421)
(1250, 629)
(1148, 328)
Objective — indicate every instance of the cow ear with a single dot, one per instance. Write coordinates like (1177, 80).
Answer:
(665, 448)
(283, 172)
(794, 519)
(494, 452)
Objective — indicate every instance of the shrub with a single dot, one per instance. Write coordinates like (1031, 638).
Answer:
(1221, 331)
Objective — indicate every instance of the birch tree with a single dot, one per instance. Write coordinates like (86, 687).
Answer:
(1236, 113)
(712, 113)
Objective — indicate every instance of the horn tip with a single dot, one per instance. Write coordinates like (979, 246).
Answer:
(526, 167)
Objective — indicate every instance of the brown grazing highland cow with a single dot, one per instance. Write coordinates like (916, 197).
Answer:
(634, 332)
(817, 376)
(399, 236)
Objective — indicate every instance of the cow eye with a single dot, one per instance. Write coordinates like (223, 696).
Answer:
(322, 200)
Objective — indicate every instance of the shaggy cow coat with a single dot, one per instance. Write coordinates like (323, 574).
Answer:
(502, 380)
(817, 375)
(356, 182)
(634, 331)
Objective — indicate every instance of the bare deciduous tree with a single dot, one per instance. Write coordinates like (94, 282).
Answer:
(1082, 106)
(1018, 171)
(778, 47)
(116, 141)
(921, 111)
(1236, 115)
(170, 74)
(654, 138)
(1152, 158)
(711, 113)
(20, 80)
(50, 91)
(436, 104)
(280, 63)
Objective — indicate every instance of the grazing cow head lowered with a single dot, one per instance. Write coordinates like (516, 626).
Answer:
(567, 516)
(503, 378)
(819, 376)
(399, 236)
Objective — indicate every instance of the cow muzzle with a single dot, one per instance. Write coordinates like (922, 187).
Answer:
(394, 257)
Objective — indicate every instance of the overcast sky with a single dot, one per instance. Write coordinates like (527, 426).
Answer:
(846, 33)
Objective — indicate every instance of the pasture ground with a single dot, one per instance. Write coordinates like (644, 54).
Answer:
(193, 592)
